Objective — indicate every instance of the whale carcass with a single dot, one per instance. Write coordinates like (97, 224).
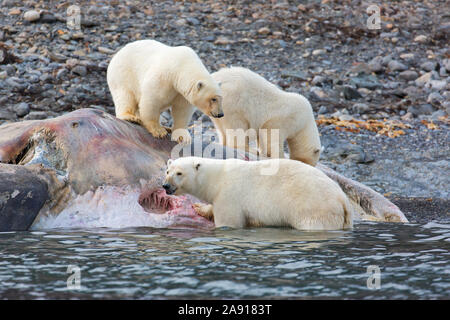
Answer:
(90, 169)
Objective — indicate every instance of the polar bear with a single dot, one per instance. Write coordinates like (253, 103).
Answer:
(238, 195)
(252, 102)
(146, 77)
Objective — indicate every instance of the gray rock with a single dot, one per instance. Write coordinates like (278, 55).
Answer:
(376, 64)
(318, 80)
(360, 108)
(22, 109)
(408, 75)
(36, 115)
(62, 73)
(423, 79)
(421, 109)
(295, 74)
(80, 70)
(322, 110)
(435, 97)
(317, 93)
(31, 15)
(428, 66)
(438, 114)
(395, 65)
(446, 64)
(437, 84)
(366, 81)
(351, 93)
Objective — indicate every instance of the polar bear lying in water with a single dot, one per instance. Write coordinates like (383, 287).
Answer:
(146, 77)
(238, 195)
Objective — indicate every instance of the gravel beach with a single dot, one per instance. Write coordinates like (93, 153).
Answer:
(396, 77)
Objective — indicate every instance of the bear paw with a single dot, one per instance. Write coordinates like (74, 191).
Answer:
(204, 210)
(156, 131)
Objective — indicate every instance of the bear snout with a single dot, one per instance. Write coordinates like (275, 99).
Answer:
(219, 115)
(169, 189)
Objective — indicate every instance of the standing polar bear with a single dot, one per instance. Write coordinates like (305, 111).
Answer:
(297, 195)
(252, 102)
(146, 77)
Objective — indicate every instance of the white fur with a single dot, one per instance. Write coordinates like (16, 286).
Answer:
(146, 77)
(298, 195)
(252, 102)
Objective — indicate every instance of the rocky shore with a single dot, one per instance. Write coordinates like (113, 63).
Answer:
(321, 49)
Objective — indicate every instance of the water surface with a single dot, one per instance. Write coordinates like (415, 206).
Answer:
(266, 263)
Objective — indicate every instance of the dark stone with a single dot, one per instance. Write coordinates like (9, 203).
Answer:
(351, 93)
(22, 195)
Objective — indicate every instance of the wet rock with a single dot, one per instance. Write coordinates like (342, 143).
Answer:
(395, 65)
(31, 15)
(408, 75)
(22, 109)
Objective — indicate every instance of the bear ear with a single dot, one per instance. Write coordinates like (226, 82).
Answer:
(197, 166)
(219, 84)
(169, 162)
(199, 85)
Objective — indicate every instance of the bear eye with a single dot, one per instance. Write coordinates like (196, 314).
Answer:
(179, 173)
(214, 100)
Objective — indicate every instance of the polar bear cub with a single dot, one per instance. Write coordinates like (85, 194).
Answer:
(252, 102)
(146, 77)
(298, 195)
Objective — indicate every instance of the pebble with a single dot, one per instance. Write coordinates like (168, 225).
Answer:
(31, 15)
(22, 109)
(318, 52)
(423, 79)
(421, 109)
(435, 97)
(428, 66)
(394, 65)
(80, 70)
(106, 50)
(421, 39)
(360, 108)
(375, 65)
(437, 84)
(408, 75)
(264, 30)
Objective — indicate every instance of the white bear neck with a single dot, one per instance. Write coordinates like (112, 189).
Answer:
(186, 84)
(204, 189)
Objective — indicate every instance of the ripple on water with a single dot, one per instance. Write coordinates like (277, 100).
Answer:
(227, 263)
